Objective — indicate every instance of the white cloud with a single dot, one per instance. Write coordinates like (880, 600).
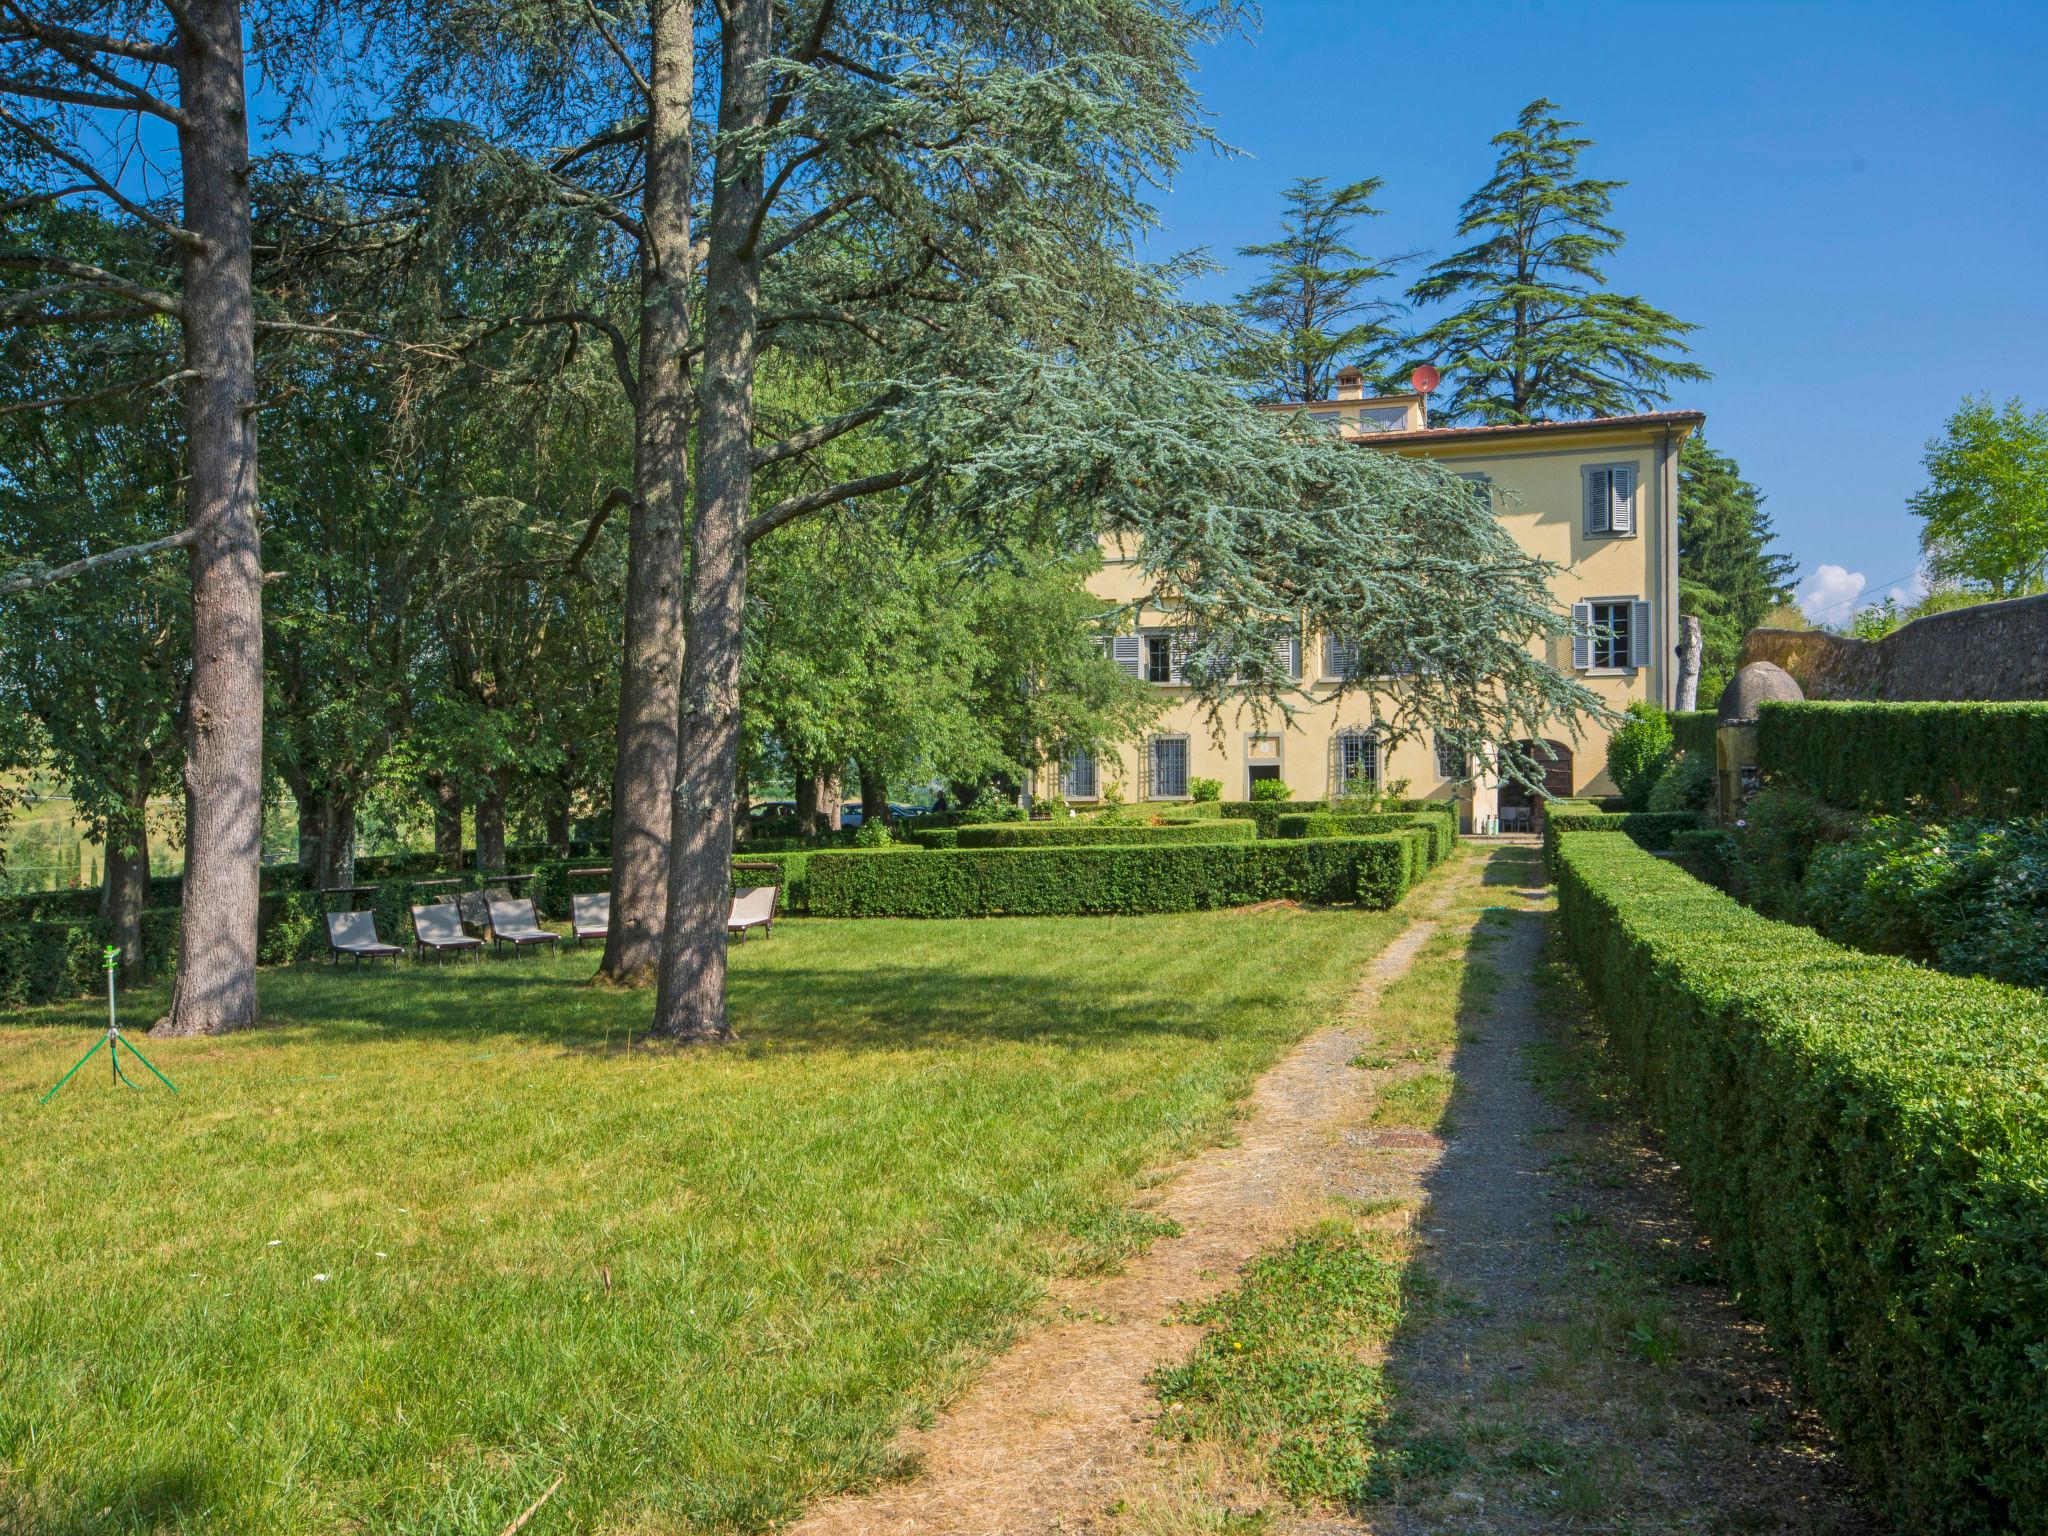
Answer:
(1907, 593)
(1831, 593)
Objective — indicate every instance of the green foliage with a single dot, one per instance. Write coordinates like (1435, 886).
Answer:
(1536, 335)
(1289, 1370)
(1866, 1141)
(933, 837)
(995, 882)
(1314, 310)
(1985, 504)
(1267, 813)
(1692, 731)
(1638, 752)
(552, 885)
(794, 880)
(1979, 758)
(1267, 790)
(872, 834)
(1074, 834)
(1205, 791)
(1686, 784)
(46, 962)
(1728, 578)
(1442, 829)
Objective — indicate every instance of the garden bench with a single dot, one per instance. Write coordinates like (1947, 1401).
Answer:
(439, 928)
(515, 922)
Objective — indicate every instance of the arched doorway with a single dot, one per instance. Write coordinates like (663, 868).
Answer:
(1518, 808)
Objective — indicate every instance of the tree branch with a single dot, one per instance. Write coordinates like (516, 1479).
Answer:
(100, 183)
(97, 277)
(814, 221)
(790, 508)
(26, 26)
(617, 497)
(127, 387)
(604, 31)
(47, 576)
(822, 433)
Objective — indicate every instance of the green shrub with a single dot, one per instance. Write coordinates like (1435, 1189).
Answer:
(1205, 791)
(552, 886)
(48, 962)
(1054, 882)
(1267, 790)
(933, 837)
(1775, 841)
(1692, 732)
(292, 925)
(1707, 852)
(1266, 814)
(1638, 751)
(1061, 834)
(1440, 830)
(795, 879)
(1686, 784)
(1985, 759)
(872, 834)
(1648, 829)
(1867, 1143)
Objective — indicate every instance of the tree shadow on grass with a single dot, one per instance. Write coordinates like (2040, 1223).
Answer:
(149, 1499)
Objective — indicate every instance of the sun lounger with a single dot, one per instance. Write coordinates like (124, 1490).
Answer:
(355, 933)
(753, 906)
(439, 928)
(590, 917)
(514, 922)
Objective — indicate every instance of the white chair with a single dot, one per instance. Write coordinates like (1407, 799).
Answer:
(439, 928)
(514, 922)
(753, 906)
(355, 933)
(590, 917)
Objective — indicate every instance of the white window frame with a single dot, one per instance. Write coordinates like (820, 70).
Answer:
(1602, 513)
(1152, 746)
(1585, 645)
(1151, 638)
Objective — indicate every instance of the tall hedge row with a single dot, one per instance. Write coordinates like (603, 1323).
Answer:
(1867, 1142)
(50, 961)
(1441, 826)
(1983, 758)
(1059, 882)
(1077, 834)
(1692, 731)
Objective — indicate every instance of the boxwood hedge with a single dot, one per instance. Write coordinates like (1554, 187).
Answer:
(1654, 830)
(1867, 1143)
(1984, 758)
(1441, 826)
(1056, 882)
(49, 961)
(1075, 834)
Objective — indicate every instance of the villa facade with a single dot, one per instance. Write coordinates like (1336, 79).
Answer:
(1599, 498)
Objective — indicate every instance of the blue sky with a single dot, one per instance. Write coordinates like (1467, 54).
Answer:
(1851, 201)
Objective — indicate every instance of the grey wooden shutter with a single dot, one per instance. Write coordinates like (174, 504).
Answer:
(1582, 635)
(1639, 635)
(1287, 655)
(1128, 652)
(1599, 501)
(1621, 484)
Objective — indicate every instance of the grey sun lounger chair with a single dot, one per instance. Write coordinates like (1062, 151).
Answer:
(355, 933)
(590, 917)
(514, 922)
(439, 928)
(753, 906)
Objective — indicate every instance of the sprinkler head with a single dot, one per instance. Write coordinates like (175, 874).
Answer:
(111, 957)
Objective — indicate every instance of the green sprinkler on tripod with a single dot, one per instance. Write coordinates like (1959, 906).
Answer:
(113, 1039)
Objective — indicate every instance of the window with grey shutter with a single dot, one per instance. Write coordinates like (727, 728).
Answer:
(1169, 757)
(1613, 637)
(1340, 657)
(1582, 636)
(1077, 775)
(1610, 499)
(1639, 632)
(1287, 656)
(1128, 652)
(1161, 665)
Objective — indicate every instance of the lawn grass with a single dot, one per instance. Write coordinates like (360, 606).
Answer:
(707, 1285)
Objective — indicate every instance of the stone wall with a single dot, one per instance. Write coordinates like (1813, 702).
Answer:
(1990, 651)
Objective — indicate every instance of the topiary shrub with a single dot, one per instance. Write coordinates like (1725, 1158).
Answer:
(1268, 790)
(1440, 831)
(1866, 1141)
(1266, 814)
(1638, 751)
(1069, 881)
(1059, 834)
(1205, 791)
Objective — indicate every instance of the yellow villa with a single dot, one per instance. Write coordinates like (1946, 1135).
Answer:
(1597, 497)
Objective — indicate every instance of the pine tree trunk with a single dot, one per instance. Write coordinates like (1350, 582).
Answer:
(1690, 647)
(126, 889)
(874, 797)
(490, 823)
(690, 994)
(447, 820)
(215, 989)
(643, 784)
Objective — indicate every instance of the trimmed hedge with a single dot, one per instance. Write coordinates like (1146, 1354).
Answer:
(1692, 731)
(1982, 758)
(934, 837)
(1654, 830)
(49, 962)
(1074, 834)
(1267, 813)
(796, 869)
(1867, 1142)
(1061, 882)
(1441, 829)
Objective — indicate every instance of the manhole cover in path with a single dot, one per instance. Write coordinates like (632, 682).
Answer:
(1404, 1139)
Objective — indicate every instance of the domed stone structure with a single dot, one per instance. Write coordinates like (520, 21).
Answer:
(1761, 682)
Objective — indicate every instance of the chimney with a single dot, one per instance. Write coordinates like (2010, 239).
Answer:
(1350, 384)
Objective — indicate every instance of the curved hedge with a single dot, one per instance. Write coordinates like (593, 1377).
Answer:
(1985, 758)
(1076, 834)
(1063, 882)
(1867, 1142)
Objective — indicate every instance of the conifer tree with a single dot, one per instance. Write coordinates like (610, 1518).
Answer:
(1728, 576)
(1316, 309)
(1535, 335)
